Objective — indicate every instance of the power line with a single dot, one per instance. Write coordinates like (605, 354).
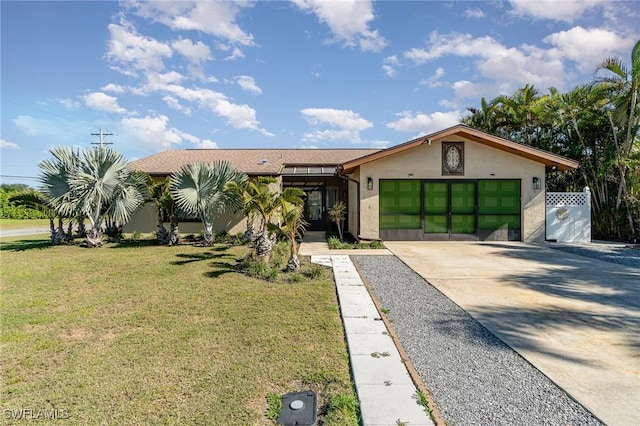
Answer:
(102, 143)
(19, 177)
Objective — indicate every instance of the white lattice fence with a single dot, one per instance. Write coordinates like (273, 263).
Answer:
(569, 216)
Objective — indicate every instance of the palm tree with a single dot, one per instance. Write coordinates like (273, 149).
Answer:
(483, 118)
(95, 184)
(337, 214)
(620, 86)
(199, 189)
(160, 196)
(291, 221)
(260, 202)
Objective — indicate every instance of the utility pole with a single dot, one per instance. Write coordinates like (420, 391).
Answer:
(102, 143)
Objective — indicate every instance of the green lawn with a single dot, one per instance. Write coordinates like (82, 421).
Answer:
(137, 333)
(22, 223)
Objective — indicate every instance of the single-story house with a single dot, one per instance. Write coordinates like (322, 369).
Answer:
(455, 184)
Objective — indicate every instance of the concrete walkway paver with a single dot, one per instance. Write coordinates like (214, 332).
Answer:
(575, 319)
(386, 392)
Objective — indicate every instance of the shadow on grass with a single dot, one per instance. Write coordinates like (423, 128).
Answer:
(221, 268)
(219, 259)
(132, 243)
(22, 245)
(212, 253)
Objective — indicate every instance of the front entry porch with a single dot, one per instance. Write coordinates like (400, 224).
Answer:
(322, 193)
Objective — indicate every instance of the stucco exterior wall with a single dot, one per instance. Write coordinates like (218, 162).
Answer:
(481, 162)
(145, 221)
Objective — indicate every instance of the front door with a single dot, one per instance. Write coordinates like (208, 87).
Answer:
(314, 209)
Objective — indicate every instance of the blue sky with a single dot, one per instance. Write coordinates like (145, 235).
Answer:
(275, 74)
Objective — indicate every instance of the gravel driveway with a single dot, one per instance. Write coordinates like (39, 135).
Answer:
(475, 378)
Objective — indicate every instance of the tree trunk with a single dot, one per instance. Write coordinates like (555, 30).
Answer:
(82, 230)
(174, 237)
(94, 238)
(208, 235)
(162, 235)
(264, 244)
(250, 234)
(52, 227)
(293, 265)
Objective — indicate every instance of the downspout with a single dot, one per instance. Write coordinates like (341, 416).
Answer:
(348, 179)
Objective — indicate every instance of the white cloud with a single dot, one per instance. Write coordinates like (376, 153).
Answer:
(131, 49)
(206, 144)
(151, 132)
(69, 103)
(196, 53)
(348, 21)
(248, 83)
(345, 119)
(506, 67)
(434, 80)
(378, 144)
(474, 13)
(159, 81)
(217, 18)
(332, 135)
(588, 47)
(236, 53)
(346, 125)
(240, 116)
(422, 123)
(103, 102)
(173, 103)
(114, 88)
(390, 65)
(8, 145)
(565, 10)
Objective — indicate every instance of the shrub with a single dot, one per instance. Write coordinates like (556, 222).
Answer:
(232, 240)
(280, 254)
(274, 405)
(315, 271)
(376, 245)
(296, 278)
(258, 268)
(335, 243)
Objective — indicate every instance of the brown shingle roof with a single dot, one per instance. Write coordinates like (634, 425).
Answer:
(249, 161)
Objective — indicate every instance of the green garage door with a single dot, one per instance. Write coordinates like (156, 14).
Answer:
(450, 210)
(399, 204)
(499, 210)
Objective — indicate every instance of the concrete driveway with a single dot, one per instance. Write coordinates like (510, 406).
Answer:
(576, 319)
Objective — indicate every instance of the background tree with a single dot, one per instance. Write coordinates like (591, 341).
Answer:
(200, 189)
(597, 124)
(36, 200)
(620, 88)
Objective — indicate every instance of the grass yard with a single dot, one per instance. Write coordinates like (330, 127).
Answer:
(23, 223)
(134, 333)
